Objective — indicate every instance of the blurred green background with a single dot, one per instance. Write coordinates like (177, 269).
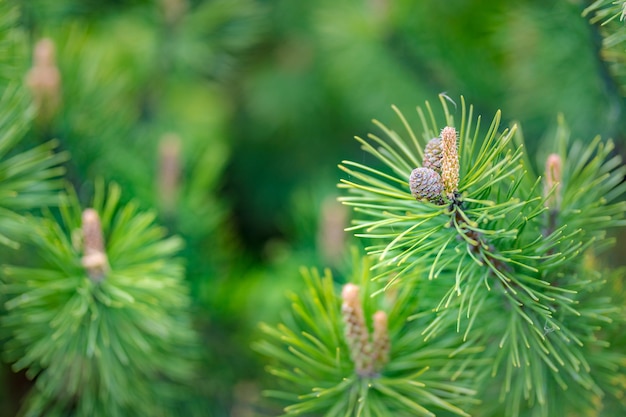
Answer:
(258, 101)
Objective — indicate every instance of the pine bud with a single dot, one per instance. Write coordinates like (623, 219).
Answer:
(357, 336)
(380, 9)
(169, 171)
(380, 341)
(331, 238)
(174, 10)
(553, 180)
(426, 184)
(44, 80)
(432, 155)
(449, 160)
(94, 258)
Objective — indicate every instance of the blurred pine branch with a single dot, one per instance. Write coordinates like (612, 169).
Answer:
(609, 16)
(103, 322)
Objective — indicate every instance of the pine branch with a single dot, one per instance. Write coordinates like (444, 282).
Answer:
(329, 365)
(610, 15)
(501, 241)
(102, 324)
(29, 178)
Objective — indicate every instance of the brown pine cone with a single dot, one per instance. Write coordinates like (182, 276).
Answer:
(426, 183)
(432, 155)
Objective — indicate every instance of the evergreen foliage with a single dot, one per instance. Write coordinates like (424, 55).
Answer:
(113, 342)
(28, 178)
(610, 15)
(482, 286)
(314, 358)
(500, 263)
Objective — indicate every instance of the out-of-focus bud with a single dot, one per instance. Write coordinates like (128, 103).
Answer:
(44, 80)
(169, 172)
(331, 237)
(553, 182)
(380, 341)
(173, 10)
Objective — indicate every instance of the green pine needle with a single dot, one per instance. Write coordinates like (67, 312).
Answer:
(28, 179)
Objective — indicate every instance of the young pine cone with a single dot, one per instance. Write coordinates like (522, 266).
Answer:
(425, 183)
(433, 155)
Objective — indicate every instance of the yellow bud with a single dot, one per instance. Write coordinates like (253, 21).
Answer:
(449, 160)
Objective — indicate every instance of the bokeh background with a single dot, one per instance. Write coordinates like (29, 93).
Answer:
(229, 118)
